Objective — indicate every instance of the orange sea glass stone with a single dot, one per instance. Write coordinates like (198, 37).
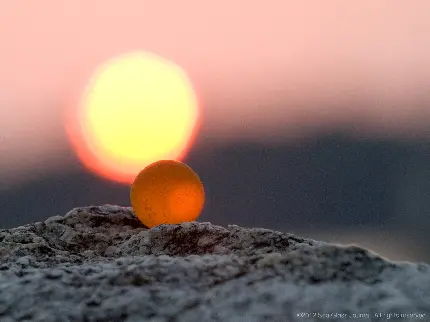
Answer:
(167, 192)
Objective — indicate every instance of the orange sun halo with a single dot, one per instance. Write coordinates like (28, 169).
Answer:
(137, 108)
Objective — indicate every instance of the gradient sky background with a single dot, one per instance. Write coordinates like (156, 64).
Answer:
(264, 71)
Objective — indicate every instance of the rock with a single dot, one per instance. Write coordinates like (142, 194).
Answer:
(102, 264)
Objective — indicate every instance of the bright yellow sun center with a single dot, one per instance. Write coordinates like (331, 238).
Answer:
(137, 109)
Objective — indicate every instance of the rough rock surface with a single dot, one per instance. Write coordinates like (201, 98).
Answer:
(102, 264)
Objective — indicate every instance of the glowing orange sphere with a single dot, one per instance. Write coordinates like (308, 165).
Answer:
(167, 192)
(137, 108)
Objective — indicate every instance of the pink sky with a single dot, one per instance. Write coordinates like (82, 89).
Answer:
(260, 67)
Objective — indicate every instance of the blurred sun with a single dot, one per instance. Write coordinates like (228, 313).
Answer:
(138, 108)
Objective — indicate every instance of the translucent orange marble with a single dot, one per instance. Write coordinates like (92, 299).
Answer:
(167, 192)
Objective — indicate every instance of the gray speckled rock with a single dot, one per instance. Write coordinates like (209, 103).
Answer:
(102, 264)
